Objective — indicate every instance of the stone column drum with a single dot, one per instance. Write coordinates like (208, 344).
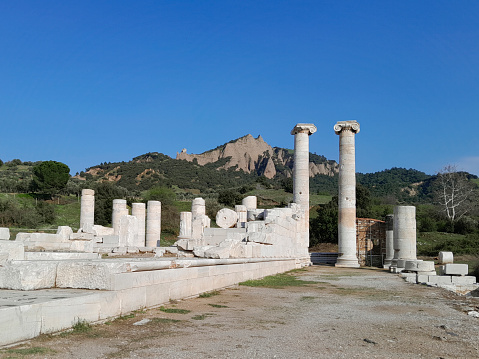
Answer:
(153, 223)
(242, 212)
(389, 240)
(185, 225)
(119, 210)
(139, 211)
(405, 231)
(198, 207)
(347, 194)
(251, 202)
(87, 214)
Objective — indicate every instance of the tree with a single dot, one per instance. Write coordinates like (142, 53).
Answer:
(50, 177)
(105, 193)
(166, 196)
(324, 228)
(452, 192)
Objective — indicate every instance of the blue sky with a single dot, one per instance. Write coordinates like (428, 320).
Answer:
(85, 82)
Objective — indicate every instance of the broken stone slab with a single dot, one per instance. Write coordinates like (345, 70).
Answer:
(64, 232)
(102, 231)
(60, 256)
(188, 244)
(89, 275)
(128, 231)
(463, 280)
(446, 257)
(454, 269)
(439, 279)
(255, 215)
(226, 218)
(28, 275)
(4, 233)
(15, 250)
(81, 236)
(200, 250)
(419, 266)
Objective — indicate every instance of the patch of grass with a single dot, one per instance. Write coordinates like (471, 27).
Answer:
(217, 305)
(209, 294)
(22, 352)
(277, 281)
(307, 298)
(202, 316)
(164, 320)
(175, 310)
(431, 243)
(81, 326)
(124, 317)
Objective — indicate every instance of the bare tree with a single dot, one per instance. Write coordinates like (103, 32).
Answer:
(453, 193)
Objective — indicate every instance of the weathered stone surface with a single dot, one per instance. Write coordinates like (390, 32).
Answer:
(446, 257)
(186, 219)
(463, 280)
(347, 194)
(250, 202)
(389, 240)
(226, 218)
(87, 212)
(242, 213)
(139, 211)
(153, 223)
(419, 266)
(454, 269)
(64, 232)
(128, 232)
(405, 231)
(88, 275)
(102, 231)
(27, 275)
(119, 210)
(255, 215)
(13, 249)
(4, 233)
(198, 207)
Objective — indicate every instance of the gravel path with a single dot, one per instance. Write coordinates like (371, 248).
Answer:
(339, 313)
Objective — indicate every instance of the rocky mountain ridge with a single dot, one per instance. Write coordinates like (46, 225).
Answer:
(254, 155)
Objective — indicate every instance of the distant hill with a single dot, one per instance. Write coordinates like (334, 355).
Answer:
(254, 155)
(237, 163)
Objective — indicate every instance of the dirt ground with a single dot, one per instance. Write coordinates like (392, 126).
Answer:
(338, 313)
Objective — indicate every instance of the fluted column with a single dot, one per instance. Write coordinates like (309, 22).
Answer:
(301, 133)
(347, 194)
(87, 211)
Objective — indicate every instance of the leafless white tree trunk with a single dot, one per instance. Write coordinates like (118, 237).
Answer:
(453, 193)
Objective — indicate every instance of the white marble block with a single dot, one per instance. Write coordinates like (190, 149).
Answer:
(454, 269)
(4, 233)
(226, 218)
(446, 258)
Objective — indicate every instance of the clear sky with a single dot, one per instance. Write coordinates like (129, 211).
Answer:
(85, 82)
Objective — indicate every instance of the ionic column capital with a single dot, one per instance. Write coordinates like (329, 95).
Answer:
(309, 128)
(352, 126)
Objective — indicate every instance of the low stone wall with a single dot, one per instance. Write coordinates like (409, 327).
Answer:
(54, 310)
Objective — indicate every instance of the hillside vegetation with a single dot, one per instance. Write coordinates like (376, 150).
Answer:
(225, 175)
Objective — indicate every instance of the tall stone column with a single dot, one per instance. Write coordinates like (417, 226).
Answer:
(347, 194)
(87, 214)
(119, 210)
(389, 240)
(301, 133)
(139, 211)
(153, 223)
(405, 231)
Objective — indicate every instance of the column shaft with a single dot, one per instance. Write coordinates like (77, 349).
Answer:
(347, 195)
